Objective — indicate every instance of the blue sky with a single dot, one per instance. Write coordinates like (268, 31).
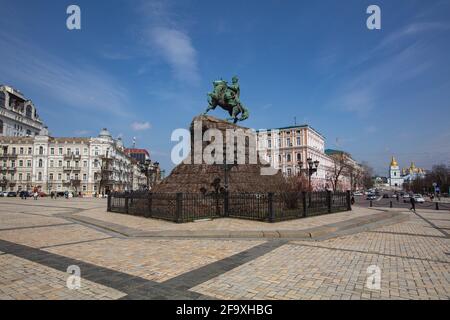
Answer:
(143, 68)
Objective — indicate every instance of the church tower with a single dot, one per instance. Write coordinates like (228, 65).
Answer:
(395, 177)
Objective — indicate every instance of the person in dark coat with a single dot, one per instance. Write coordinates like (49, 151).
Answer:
(413, 204)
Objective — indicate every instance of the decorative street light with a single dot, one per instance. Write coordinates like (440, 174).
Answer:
(311, 168)
(150, 170)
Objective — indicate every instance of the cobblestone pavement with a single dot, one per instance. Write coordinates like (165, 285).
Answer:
(39, 241)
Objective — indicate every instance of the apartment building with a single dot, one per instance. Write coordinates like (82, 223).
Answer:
(82, 165)
(288, 147)
(18, 115)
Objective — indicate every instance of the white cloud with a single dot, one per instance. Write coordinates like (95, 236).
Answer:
(81, 132)
(76, 85)
(176, 48)
(164, 36)
(140, 126)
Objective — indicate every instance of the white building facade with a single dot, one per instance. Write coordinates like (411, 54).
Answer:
(18, 115)
(81, 165)
(285, 147)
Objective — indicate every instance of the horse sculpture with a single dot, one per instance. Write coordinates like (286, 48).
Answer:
(227, 97)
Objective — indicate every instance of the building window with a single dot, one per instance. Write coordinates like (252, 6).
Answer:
(85, 177)
(52, 151)
(20, 176)
(69, 151)
(60, 163)
(59, 176)
(51, 163)
(29, 112)
(41, 150)
(28, 132)
(40, 163)
(298, 141)
(289, 172)
(50, 176)
(288, 158)
(85, 151)
(288, 142)
(40, 176)
(21, 150)
(29, 163)
(299, 157)
(20, 163)
(2, 103)
(60, 151)
(85, 164)
(30, 150)
(84, 188)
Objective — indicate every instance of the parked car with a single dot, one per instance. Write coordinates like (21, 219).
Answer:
(358, 193)
(12, 194)
(385, 196)
(24, 193)
(406, 196)
(371, 197)
(419, 198)
(3, 193)
(393, 195)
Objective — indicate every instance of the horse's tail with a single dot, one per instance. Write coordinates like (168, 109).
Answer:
(244, 114)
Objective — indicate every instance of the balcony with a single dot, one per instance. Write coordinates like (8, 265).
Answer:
(70, 156)
(8, 169)
(8, 155)
(72, 168)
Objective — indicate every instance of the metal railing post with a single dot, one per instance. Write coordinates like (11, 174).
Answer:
(126, 204)
(148, 214)
(349, 205)
(108, 206)
(270, 206)
(437, 205)
(304, 203)
(329, 201)
(178, 213)
(390, 204)
(371, 203)
(225, 203)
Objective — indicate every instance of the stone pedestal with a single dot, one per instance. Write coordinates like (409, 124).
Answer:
(198, 176)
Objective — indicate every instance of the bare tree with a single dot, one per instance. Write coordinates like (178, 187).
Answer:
(367, 175)
(341, 165)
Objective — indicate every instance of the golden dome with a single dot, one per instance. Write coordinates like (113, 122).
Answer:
(413, 166)
(394, 162)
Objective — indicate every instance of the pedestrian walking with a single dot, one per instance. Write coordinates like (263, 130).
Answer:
(398, 198)
(413, 204)
(35, 195)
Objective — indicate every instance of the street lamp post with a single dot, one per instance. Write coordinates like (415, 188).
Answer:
(149, 170)
(311, 168)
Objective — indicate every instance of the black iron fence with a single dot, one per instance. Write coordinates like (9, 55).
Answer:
(271, 207)
(430, 205)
